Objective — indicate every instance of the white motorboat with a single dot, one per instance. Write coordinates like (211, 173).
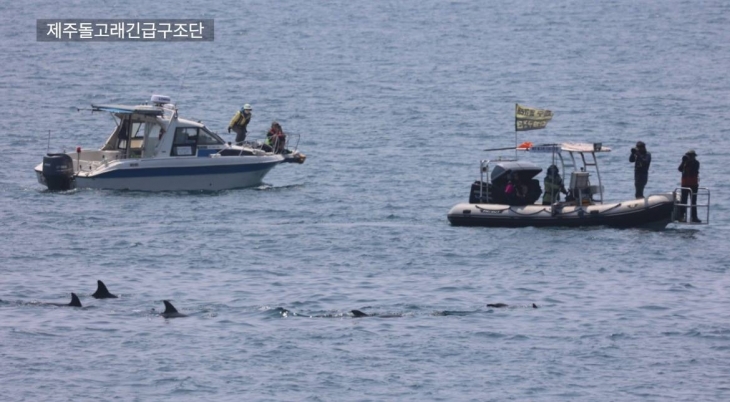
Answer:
(152, 149)
(584, 206)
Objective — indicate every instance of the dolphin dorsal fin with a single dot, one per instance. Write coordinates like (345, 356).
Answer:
(169, 308)
(75, 302)
(358, 313)
(102, 292)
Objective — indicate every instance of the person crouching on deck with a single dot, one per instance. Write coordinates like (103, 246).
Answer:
(275, 139)
(239, 122)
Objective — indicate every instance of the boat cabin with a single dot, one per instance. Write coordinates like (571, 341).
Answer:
(156, 131)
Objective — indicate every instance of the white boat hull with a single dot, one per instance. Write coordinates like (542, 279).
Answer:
(179, 174)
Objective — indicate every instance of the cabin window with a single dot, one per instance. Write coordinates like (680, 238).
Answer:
(122, 134)
(185, 142)
(205, 137)
(138, 130)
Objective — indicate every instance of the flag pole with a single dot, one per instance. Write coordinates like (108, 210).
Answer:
(516, 106)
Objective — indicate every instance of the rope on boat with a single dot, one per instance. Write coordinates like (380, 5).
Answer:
(613, 207)
(490, 210)
(533, 213)
(577, 210)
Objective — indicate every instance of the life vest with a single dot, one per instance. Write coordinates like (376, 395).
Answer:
(552, 189)
(240, 120)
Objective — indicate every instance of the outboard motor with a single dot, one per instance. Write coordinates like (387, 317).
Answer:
(58, 171)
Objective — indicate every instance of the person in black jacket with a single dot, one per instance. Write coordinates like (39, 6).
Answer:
(641, 160)
(690, 168)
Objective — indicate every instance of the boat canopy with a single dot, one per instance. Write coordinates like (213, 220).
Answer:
(144, 110)
(526, 170)
(580, 147)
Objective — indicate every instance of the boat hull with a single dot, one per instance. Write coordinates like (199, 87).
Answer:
(654, 211)
(194, 174)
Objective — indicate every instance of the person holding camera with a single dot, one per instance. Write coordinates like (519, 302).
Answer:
(690, 168)
(641, 160)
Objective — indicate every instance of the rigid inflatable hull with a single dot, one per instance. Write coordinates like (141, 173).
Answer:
(654, 211)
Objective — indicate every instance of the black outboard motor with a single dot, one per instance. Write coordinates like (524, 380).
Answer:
(58, 171)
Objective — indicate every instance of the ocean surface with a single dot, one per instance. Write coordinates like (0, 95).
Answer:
(395, 102)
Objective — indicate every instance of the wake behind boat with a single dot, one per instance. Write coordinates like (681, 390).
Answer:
(491, 205)
(152, 149)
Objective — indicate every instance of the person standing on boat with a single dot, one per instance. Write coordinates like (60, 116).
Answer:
(641, 160)
(690, 168)
(553, 186)
(239, 122)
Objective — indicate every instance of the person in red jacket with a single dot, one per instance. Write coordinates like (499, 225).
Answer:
(275, 138)
(690, 168)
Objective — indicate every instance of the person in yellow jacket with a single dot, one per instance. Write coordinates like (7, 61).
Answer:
(553, 186)
(239, 122)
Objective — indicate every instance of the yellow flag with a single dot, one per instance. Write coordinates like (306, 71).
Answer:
(529, 118)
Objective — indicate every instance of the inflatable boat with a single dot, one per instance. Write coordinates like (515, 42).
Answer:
(491, 203)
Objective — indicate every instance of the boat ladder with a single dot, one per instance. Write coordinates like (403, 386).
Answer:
(681, 213)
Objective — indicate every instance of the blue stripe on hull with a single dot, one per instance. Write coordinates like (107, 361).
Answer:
(185, 171)
(204, 153)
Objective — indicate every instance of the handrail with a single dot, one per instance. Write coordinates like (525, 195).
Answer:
(701, 192)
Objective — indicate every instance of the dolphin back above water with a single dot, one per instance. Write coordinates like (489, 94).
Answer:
(360, 314)
(102, 292)
(75, 302)
(503, 305)
(171, 311)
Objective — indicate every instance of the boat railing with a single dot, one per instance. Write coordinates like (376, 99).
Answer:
(483, 171)
(290, 138)
(586, 164)
(255, 144)
(261, 145)
(702, 204)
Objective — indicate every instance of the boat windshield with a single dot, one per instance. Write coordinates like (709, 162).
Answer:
(208, 138)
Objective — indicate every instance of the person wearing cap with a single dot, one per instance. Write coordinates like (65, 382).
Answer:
(690, 168)
(239, 122)
(641, 160)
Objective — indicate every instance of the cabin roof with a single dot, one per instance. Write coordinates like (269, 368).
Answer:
(126, 109)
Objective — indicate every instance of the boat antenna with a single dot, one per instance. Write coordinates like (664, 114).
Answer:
(182, 82)
(48, 148)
